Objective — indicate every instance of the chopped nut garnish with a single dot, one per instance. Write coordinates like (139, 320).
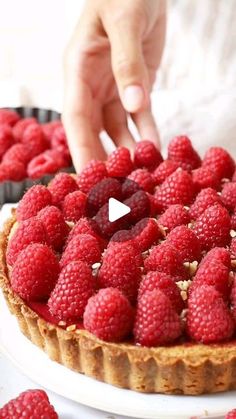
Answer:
(232, 233)
(184, 295)
(61, 323)
(233, 263)
(71, 328)
(184, 285)
(96, 265)
(70, 223)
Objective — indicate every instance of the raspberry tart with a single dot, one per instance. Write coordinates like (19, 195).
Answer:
(147, 302)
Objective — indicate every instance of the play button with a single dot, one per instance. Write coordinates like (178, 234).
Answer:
(116, 210)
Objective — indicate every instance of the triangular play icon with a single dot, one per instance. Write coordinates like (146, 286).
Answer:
(116, 209)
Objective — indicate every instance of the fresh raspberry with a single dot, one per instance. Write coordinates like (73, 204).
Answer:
(138, 179)
(49, 128)
(174, 216)
(74, 206)
(186, 242)
(165, 283)
(213, 227)
(181, 151)
(9, 117)
(28, 231)
(228, 195)
(139, 205)
(109, 315)
(121, 268)
(20, 127)
(231, 414)
(146, 233)
(147, 155)
(165, 258)
(107, 228)
(233, 298)
(36, 198)
(60, 186)
(176, 189)
(205, 177)
(233, 248)
(234, 177)
(6, 139)
(165, 169)
(31, 404)
(35, 272)
(213, 273)
(46, 163)
(59, 142)
(233, 221)
(156, 322)
(81, 247)
(56, 228)
(217, 254)
(121, 236)
(119, 163)
(35, 140)
(206, 198)
(153, 205)
(74, 287)
(219, 161)
(17, 153)
(14, 171)
(101, 192)
(86, 226)
(208, 318)
(94, 172)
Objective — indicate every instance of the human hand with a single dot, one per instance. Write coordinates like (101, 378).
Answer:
(110, 67)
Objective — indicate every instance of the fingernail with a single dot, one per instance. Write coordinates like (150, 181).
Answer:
(133, 98)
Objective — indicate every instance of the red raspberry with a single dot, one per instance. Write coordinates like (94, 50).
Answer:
(147, 155)
(146, 233)
(74, 287)
(17, 153)
(186, 242)
(165, 283)
(219, 161)
(9, 117)
(101, 192)
(234, 177)
(109, 315)
(36, 198)
(233, 248)
(32, 404)
(174, 216)
(156, 322)
(122, 236)
(59, 142)
(28, 231)
(20, 127)
(60, 186)
(46, 163)
(139, 205)
(35, 272)
(176, 189)
(217, 254)
(121, 268)
(233, 221)
(208, 318)
(182, 152)
(74, 206)
(213, 273)
(153, 204)
(140, 179)
(165, 169)
(94, 172)
(6, 139)
(107, 228)
(213, 227)
(231, 414)
(35, 140)
(205, 177)
(165, 258)
(55, 226)
(233, 298)
(14, 171)
(86, 226)
(81, 247)
(49, 128)
(206, 198)
(228, 195)
(119, 163)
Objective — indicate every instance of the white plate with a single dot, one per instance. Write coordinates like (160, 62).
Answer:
(34, 363)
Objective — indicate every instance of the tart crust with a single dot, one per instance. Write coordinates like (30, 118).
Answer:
(178, 369)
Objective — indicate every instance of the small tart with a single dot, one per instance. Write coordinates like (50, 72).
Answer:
(187, 368)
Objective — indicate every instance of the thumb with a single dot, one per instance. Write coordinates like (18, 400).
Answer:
(129, 69)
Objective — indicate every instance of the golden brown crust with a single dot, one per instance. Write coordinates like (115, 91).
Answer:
(180, 369)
